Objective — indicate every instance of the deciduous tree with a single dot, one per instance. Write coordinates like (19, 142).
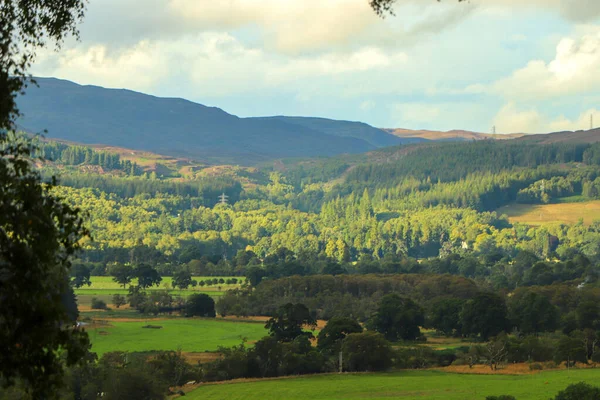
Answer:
(398, 318)
(289, 321)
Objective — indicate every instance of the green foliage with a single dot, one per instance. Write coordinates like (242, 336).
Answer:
(444, 315)
(98, 304)
(398, 318)
(533, 312)
(570, 349)
(331, 336)
(80, 276)
(288, 323)
(182, 279)
(146, 276)
(171, 367)
(367, 351)
(484, 316)
(132, 383)
(201, 305)
(579, 391)
(119, 300)
(122, 274)
(39, 233)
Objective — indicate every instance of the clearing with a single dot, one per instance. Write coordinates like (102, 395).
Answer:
(185, 334)
(538, 214)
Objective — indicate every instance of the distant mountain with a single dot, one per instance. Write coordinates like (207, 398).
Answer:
(453, 135)
(590, 136)
(359, 130)
(124, 118)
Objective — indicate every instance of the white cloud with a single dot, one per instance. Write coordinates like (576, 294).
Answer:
(574, 10)
(214, 63)
(581, 123)
(574, 70)
(138, 67)
(511, 119)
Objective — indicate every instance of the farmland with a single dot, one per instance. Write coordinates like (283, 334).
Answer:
(538, 214)
(188, 335)
(433, 385)
(104, 287)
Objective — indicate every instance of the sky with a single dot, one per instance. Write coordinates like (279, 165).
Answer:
(527, 66)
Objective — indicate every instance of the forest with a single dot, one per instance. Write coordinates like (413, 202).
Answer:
(384, 247)
(426, 201)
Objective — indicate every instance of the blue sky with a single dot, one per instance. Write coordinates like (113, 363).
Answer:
(521, 65)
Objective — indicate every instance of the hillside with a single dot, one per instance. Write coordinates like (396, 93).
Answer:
(123, 118)
(359, 130)
(589, 136)
(453, 135)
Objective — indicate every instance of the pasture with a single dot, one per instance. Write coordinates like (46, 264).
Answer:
(538, 214)
(103, 287)
(187, 334)
(407, 385)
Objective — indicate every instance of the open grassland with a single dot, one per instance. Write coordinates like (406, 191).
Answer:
(103, 287)
(537, 214)
(407, 385)
(189, 335)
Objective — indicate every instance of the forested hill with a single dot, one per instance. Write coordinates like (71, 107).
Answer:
(95, 115)
(360, 130)
(589, 136)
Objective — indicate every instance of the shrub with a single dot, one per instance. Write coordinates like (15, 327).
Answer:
(98, 304)
(201, 305)
(536, 367)
(368, 351)
(119, 300)
(579, 391)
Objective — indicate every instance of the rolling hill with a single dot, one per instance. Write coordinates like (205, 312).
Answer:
(453, 135)
(589, 136)
(124, 118)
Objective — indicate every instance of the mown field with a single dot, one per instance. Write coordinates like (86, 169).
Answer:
(568, 212)
(103, 287)
(406, 385)
(189, 335)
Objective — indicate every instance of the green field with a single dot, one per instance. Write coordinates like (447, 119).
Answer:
(564, 212)
(406, 385)
(189, 335)
(103, 287)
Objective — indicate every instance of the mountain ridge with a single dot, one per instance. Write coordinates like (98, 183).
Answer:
(120, 117)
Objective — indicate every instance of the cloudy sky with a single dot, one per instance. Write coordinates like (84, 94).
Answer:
(521, 65)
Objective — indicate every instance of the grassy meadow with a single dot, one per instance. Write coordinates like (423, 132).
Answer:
(564, 212)
(187, 334)
(103, 287)
(407, 385)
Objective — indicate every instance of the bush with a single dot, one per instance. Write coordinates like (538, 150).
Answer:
(119, 300)
(201, 305)
(536, 367)
(98, 304)
(98, 270)
(579, 391)
(368, 351)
